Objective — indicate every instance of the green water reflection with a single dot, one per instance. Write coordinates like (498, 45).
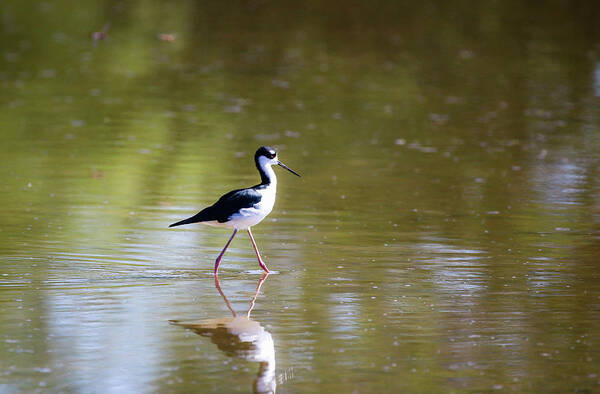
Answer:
(444, 235)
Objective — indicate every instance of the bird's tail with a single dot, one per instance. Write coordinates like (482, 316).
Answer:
(184, 221)
(201, 216)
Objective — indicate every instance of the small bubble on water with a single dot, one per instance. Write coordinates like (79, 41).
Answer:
(291, 134)
(48, 73)
(280, 83)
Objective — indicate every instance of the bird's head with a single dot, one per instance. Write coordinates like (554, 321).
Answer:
(267, 156)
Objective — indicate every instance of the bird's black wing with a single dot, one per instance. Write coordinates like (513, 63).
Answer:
(235, 200)
(226, 206)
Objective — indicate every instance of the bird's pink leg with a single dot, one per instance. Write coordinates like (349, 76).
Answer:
(223, 252)
(260, 262)
(260, 282)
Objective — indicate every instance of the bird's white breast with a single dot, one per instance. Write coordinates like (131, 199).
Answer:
(266, 203)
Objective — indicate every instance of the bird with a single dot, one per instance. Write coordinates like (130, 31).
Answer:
(241, 209)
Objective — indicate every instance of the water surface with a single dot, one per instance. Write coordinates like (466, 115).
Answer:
(444, 236)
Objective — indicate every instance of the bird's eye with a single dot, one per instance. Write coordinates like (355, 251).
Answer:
(272, 155)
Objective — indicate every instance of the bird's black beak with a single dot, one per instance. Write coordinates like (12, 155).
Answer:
(288, 168)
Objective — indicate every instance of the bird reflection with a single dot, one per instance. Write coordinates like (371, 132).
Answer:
(241, 337)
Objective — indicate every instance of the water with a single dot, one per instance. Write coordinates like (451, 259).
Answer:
(444, 236)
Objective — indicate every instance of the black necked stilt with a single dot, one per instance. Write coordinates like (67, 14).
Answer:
(243, 208)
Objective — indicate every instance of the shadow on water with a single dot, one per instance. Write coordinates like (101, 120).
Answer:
(241, 337)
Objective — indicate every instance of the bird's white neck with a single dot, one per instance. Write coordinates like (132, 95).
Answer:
(267, 174)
